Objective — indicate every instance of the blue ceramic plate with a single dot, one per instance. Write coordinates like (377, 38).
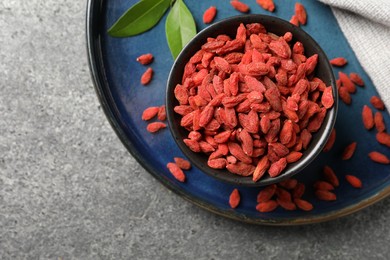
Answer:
(116, 76)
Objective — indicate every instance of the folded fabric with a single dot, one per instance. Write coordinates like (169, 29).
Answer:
(366, 25)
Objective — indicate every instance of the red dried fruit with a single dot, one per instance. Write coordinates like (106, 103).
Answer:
(240, 6)
(293, 156)
(277, 167)
(356, 79)
(303, 204)
(192, 144)
(379, 122)
(149, 113)
(241, 168)
(383, 138)
(209, 14)
(236, 150)
(287, 205)
(368, 117)
(294, 20)
(379, 157)
(288, 184)
(155, 127)
(354, 181)
(325, 195)
(266, 5)
(346, 82)
(327, 97)
(261, 168)
(162, 114)
(349, 151)
(300, 12)
(234, 199)
(147, 76)
(267, 206)
(145, 59)
(330, 176)
(377, 103)
(182, 163)
(176, 171)
(345, 96)
(299, 190)
(329, 144)
(323, 185)
(338, 62)
(267, 193)
(217, 163)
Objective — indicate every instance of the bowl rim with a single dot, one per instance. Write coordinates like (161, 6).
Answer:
(237, 179)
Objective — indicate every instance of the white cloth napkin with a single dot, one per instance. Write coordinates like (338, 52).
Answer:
(366, 25)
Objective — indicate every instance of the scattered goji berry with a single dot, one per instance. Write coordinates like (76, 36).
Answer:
(379, 157)
(339, 61)
(377, 103)
(145, 59)
(266, 5)
(234, 198)
(209, 14)
(354, 181)
(349, 151)
(176, 171)
(300, 12)
(240, 6)
(368, 117)
(356, 79)
(147, 76)
(155, 127)
(182, 163)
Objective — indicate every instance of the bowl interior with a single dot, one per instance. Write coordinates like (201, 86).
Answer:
(229, 26)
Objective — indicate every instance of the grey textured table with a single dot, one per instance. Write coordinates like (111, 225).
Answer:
(70, 190)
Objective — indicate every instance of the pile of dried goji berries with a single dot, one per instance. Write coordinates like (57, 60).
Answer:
(252, 102)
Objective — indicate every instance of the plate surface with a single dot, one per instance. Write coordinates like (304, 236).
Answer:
(116, 76)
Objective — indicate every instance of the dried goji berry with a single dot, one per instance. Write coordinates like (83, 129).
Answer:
(349, 151)
(368, 117)
(209, 14)
(266, 4)
(300, 12)
(379, 157)
(329, 144)
(356, 79)
(379, 122)
(234, 198)
(147, 76)
(383, 138)
(267, 206)
(323, 185)
(155, 127)
(303, 204)
(330, 176)
(182, 163)
(149, 113)
(240, 6)
(346, 82)
(339, 61)
(294, 20)
(145, 59)
(325, 195)
(377, 103)
(176, 171)
(354, 181)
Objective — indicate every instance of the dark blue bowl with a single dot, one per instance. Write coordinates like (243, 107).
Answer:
(229, 26)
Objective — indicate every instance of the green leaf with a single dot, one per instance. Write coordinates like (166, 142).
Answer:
(139, 18)
(180, 27)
